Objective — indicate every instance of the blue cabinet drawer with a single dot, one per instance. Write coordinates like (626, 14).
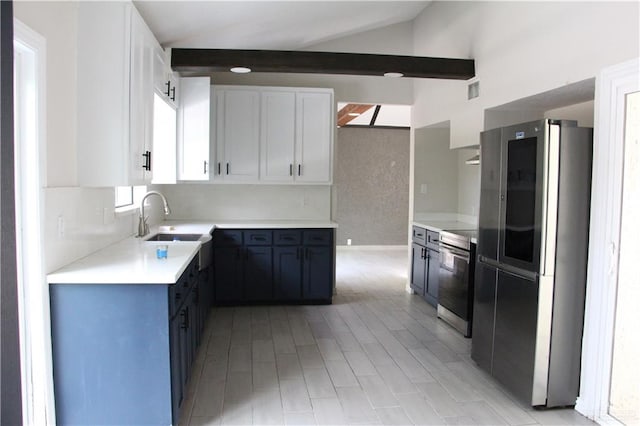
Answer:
(317, 237)
(433, 240)
(258, 237)
(178, 292)
(227, 237)
(288, 237)
(419, 235)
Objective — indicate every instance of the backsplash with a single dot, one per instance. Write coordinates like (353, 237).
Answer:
(248, 202)
(79, 221)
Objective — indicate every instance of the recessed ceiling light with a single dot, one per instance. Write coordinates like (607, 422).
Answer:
(240, 70)
(354, 114)
(393, 74)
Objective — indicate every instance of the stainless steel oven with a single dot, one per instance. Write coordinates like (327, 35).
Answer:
(455, 289)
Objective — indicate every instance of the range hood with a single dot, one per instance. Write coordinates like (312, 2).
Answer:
(473, 161)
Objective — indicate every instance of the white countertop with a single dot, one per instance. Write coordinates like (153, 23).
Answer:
(273, 224)
(133, 260)
(445, 225)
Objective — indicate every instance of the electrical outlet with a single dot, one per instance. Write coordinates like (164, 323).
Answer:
(60, 226)
(348, 241)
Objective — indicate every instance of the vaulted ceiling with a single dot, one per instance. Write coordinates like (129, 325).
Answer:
(286, 25)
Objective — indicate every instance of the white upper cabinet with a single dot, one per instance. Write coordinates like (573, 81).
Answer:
(164, 79)
(193, 128)
(277, 136)
(141, 89)
(115, 90)
(274, 134)
(237, 134)
(314, 137)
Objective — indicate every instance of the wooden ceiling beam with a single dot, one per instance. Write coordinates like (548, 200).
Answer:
(343, 114)
(206, 61)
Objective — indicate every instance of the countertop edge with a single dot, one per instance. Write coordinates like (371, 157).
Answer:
(109, 265)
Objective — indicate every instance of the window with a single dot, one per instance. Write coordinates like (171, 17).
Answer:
(124, 196)
(128, 197)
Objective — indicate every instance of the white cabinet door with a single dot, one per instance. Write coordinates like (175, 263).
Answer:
(103, 93)
(277, 136)
(115, 60)
(193, 129)
(238, 134)
(314, 137)
(141, 91)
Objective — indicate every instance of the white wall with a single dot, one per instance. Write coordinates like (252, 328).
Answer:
(86, 225)
(468, 186)
(520, 49)
(56, 21)
(582, 113)
(435, 173)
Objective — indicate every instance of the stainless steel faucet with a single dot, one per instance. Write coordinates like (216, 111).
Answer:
(143, 227)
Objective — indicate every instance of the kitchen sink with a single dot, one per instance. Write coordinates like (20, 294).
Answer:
(160, 236)
(205, 255)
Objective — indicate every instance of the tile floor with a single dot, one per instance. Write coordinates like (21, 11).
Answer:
(377, 355)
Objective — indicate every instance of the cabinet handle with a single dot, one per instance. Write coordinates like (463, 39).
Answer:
(205, 167)
(147, 160)
(238, 253)
(185, 318)
(306, 253)
(218, 168)
(297, 253)
(259, 238)
(299, 169)
(227, 168)
(173, 93)
(290, 169)
(168, 84)
(246, 254)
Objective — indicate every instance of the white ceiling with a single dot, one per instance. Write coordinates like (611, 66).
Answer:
(263, 24)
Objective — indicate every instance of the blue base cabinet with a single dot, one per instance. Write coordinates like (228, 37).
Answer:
(122, 353)
(317, 273)
(274, 266)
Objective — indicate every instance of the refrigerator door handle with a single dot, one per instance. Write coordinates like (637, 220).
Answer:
(508, 269)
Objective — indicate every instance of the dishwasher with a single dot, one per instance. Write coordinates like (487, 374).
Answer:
(456, 276)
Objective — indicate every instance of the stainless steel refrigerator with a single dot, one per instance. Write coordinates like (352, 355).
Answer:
(532, 258)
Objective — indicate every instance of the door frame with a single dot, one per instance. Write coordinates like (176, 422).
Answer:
(30, 179)
(612, 86)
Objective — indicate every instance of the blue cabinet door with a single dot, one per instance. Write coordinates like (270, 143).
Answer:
(433, 277)
(287, 273)
(317, 273)
(418, 268)
(228, 274)
(258, 273)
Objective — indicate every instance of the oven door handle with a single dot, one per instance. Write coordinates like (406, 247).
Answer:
(462, 254)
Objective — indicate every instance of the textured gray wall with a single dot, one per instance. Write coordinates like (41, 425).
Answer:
(371, 186)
